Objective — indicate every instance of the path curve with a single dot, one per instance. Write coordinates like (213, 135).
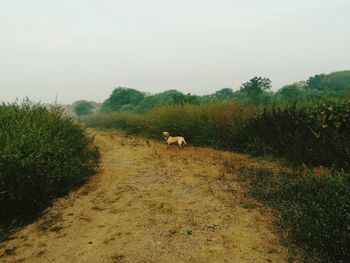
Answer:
(152, 204)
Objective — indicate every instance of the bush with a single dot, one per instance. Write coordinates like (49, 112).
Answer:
(43, 154)
(216, 125)
(82, 107)
(317, 135)
(131, 123)
(120, 97)
(316, 209)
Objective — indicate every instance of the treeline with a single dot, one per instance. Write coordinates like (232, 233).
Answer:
(255, 92)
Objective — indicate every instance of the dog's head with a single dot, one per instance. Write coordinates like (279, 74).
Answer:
(165, 135)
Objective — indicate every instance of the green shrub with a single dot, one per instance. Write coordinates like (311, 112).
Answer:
(82, 107)
(43, 154)
(317, 135)
(216, 125)
(121, 97)
(131, 123)
(316, 209)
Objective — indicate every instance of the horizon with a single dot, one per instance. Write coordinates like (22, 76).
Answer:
(82, 50)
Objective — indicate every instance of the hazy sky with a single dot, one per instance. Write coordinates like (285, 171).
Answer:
(81, 49)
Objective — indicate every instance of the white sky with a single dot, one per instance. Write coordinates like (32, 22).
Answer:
(82, 49)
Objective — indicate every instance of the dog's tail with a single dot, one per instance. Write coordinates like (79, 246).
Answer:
(184, 141)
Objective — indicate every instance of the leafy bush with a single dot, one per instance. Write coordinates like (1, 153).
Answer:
(339, 82)
(131, 123)
(318, 135)
(316, 209)
(43, 154)
(157, 100)
(120, 97)
(82, 107)
(131, 100)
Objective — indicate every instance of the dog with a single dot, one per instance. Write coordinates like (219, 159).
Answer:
(172, 140)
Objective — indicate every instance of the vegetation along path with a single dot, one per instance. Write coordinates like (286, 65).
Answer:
(152, 204)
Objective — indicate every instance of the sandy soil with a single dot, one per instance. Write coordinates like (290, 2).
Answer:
(152, 204)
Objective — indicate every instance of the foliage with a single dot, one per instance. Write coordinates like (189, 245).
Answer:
(338, 82)
(156, 100)
(315, 208)
(131, 123)
(214, 125)
(290, 94)
(43, 154)
(181, 99)
(121, 97)
(255, 92)
(318, 210)
(256, 87)
(311, 135)
(315, 89)
(224, 94)
(317, 135)
(316, 82)
(82, 107)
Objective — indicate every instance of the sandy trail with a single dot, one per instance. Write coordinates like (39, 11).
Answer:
(152, 204)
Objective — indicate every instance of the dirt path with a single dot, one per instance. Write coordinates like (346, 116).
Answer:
(152, 204)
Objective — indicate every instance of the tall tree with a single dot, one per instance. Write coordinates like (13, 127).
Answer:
(82, 107)
(317, 82)
(224, 94)
(255, 87)
(121, 97)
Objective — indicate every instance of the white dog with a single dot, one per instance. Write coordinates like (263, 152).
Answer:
(171, 140)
